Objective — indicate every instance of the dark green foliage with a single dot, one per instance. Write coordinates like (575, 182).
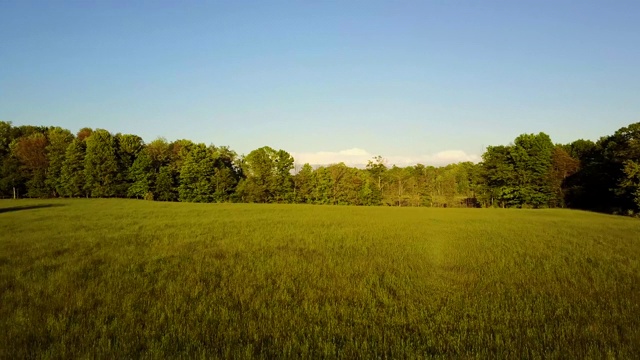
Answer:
(165, 189)
(30, 150)
(127, 149)
(12, 180)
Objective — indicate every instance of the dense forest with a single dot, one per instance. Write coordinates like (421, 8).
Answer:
(532, 172)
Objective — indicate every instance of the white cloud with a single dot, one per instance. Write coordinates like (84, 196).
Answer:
(360, 157)
(354, 152)
(352, 156)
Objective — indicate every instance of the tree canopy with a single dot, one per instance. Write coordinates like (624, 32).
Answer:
(531, 172)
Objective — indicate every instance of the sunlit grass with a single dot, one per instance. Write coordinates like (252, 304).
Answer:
(124, 278)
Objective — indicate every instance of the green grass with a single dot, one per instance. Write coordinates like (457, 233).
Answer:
(125, 278)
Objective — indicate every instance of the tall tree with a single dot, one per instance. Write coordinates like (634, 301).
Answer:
(498, 172)
(141, 176)
(532, 156)
(127, 149)
(30, 150)
(165, 189)
(12, 178)
(267, 176)
(59, 140)
(563, 166)
(101, 165)
(196, 175)
(631, 181)
(303, 184)
(72, 174)
(377, 168)
(226, 174)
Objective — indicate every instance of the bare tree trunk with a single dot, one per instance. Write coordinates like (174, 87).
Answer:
(14, 193)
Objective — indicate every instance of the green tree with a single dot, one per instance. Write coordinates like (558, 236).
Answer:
(562, 167)
(499, 174)
(631, 181)
(101, 165)
(303, 184)
(165, 187)
(532, 157)
(59, 140)
(12, 178)
(196, 175)
(519, 175)
(267, 176)
(323, 189)
(72, 176)
(127, 149)
(226, 174)
(141, 176)
(377, 168)
(30, 150)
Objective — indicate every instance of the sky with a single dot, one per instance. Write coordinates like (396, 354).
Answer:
(430, 82)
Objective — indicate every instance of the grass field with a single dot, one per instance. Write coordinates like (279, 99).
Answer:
(124, 278)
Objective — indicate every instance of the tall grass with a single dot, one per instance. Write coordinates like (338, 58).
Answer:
(123, 278)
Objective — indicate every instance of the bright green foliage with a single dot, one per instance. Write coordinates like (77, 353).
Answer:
(377, 169)
(115, 278)
(339, 184)
(141, 176)
(531, 172)
(72, 174)
(345, 184)
(499, 172)
(226, 174)
(179, 150)
(519, 175)
(268, 176)
(196, 174)
(303, 185)
(369, 194)
(322, 187)
(59, 140)
(101, 165)
(159, 151)
(532, 162)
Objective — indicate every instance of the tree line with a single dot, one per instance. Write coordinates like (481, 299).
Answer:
(531, 172)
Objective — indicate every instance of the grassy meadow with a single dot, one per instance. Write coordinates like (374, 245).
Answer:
(123, 278)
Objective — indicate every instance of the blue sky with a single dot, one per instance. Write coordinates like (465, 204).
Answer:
(423, 81)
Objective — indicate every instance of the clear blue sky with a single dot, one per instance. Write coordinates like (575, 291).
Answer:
(403, 79)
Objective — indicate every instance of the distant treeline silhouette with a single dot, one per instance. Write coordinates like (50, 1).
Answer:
(532, 172)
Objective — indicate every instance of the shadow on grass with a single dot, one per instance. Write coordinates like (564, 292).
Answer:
(27, 207)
